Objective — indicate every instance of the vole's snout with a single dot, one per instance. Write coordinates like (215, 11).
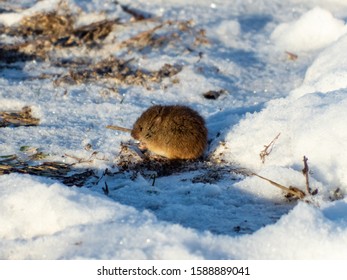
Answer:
(135, 133)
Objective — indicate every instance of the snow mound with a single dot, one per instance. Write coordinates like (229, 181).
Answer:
(313, 30)
(311, 126)
(305, 233)
(226, 31)
(45, 220)
(328, 72)
(30, 208)
(336, 6)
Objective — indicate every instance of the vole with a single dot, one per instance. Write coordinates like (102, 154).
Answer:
(174, 132)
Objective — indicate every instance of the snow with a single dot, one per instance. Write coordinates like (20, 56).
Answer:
(81, 224)
(314, 30)
(189, 214)
(305, 127)
(18, 216)
(326, 72)
(305, 233)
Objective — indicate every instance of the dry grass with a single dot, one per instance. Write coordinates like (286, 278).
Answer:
(13, 164)
(42, 36)
(44, 33)
(20, 118)
(52, 25)
(164, 34)
(66, 173)
(117, 70)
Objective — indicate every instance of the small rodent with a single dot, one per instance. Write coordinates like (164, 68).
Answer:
(175, 132)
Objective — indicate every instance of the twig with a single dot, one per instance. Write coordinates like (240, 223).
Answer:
(153, 177)
(291, 190)
(305, 171)
(116, 127)
(106, 189)
(8, 158)
(136, 14)
(291, 56)
(265, 152)
(81, 160)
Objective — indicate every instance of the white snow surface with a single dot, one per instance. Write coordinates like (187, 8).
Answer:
(314, 30)
(181, 217)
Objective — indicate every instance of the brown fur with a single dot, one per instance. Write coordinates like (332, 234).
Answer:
(175, 132)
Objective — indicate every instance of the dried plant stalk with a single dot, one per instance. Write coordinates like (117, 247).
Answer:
(21, 118)
(305, 171)
(291, 56)
(291, 190)
(268, 149)
(116, 127)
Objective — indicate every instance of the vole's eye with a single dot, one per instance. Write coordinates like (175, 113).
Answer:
(138, 128)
